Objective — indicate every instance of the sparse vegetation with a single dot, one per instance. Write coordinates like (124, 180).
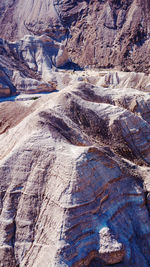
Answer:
(35, 98)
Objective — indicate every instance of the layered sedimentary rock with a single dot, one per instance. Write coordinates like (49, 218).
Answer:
(109, 33)
(100, 33)
(38, 36)
(25, 66)
(75, 164)
(75, 179)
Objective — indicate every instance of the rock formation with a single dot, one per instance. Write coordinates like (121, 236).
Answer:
(26, 65)
(75, 163)
(105, 33)
(75, 179)
(38, 36)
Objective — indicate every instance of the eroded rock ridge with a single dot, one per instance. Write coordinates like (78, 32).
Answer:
(75, 179)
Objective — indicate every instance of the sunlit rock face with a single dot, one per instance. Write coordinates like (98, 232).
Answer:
(38, 36)
(74, 170)
(99, 33)
(26, 65)
(75, 164)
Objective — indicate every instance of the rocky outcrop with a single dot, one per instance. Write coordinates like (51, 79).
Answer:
(26, 65)
(99, 33)
(6, 86)
(37, 37)
(110, 33)
(75, 164)
(75, 179)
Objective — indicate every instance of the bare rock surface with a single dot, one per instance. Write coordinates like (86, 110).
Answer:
(75, 163)
(39, 37)
(99, 33)
(26, 65)
(75, 170)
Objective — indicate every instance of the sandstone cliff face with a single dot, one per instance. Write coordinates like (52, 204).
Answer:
(100, 33)
(75, 179)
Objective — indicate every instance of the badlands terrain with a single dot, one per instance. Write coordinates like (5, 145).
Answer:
(75, 173)
(74, 133)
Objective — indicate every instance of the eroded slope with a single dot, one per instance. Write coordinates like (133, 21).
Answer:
(75, 180)
(99, 33)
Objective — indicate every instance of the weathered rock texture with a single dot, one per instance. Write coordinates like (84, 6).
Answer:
(49, 34)
(25, 66)
(75, 164)
(75, 185)
(100, 33)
